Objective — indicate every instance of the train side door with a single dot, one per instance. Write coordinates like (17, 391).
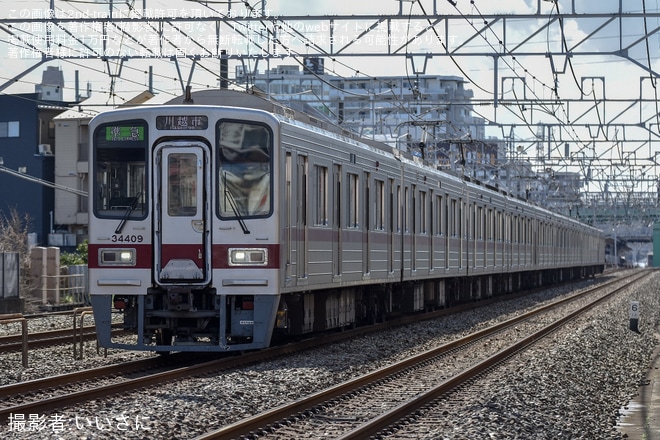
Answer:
(182, 237)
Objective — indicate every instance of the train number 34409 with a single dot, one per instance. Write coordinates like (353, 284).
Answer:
(128, 238)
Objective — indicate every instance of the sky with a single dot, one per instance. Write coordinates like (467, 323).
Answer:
(15, 61)
(587, 77)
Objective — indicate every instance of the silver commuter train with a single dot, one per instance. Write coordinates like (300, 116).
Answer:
(220, 219)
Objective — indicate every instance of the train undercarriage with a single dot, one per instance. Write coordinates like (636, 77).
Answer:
(322, 310)
(180, 319)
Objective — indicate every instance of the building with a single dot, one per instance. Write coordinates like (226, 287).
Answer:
(52, 85)
(27, 145)
(402, 111)
(47, 141)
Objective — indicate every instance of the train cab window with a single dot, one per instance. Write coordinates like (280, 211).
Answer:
(119, 157)
(244, 169)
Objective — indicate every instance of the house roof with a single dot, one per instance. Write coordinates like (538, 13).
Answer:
(100, 102)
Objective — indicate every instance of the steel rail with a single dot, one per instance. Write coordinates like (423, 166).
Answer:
(244, 428)
(131, 384)
(400, 412)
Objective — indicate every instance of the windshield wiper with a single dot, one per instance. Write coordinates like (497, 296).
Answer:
(129, 209)
(234, 207)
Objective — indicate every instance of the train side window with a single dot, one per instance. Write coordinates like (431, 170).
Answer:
(353, 201)
(502, 219)
(379, 205)
(399, 207)
(321, 212)
(444, 217)
(405, 204)
(439, 216)
(423, 227)
(367, 200)
(453, 212)
(480, 223)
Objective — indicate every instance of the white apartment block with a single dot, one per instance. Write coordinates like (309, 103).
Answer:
(400, 110)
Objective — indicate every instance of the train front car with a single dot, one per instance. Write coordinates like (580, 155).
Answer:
(183, 240)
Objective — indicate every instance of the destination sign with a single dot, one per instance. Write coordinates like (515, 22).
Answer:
(182, 122)
(122, 133)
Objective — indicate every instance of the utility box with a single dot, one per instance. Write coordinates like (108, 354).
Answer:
(10, 299)
(45, 273)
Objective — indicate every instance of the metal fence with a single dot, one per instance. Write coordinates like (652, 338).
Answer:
(69, 287)
(76, 284)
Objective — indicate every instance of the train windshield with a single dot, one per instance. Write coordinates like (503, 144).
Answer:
(244, 170)
(119, 157)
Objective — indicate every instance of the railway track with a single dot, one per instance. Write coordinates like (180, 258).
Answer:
(49, 338)
(43, 395)
(380, 402)
(43, 339)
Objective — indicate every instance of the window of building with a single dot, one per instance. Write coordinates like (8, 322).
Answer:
(9, 129)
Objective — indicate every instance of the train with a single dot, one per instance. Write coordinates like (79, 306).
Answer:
(222, 220)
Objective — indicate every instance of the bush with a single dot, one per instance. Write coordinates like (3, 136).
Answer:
(75, 258)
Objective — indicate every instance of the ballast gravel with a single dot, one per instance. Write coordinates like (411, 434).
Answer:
(573, 385)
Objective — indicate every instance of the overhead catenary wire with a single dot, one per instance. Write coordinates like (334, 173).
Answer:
(520, 70)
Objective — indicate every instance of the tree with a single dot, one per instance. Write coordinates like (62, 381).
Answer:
(14, 229)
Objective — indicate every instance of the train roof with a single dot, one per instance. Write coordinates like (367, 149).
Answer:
(258, 100)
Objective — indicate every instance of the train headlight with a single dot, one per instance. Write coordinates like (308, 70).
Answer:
(116, 257)
(248, 257)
